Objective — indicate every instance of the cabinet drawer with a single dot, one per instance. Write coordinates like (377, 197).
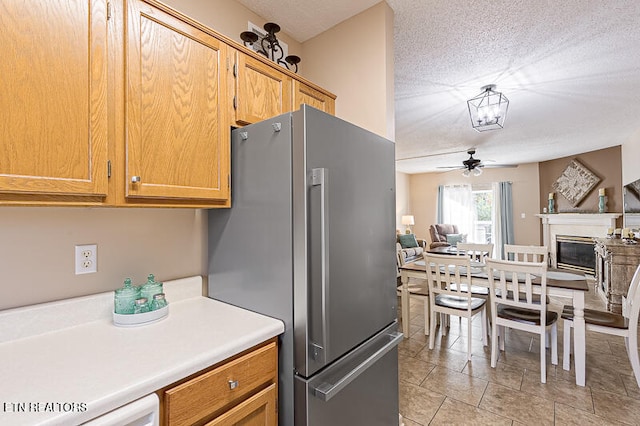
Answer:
(260, 409)
(202, 396)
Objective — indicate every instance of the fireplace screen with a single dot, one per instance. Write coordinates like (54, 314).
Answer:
(575, 253)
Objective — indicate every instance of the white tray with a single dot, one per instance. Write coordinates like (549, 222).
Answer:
(134, 320)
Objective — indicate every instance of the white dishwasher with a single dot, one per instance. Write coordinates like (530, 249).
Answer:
(142, 412)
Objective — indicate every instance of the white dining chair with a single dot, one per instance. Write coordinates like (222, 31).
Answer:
(514, 305)
(535, 254)
(476, 252)
(624, 325)
(446, 275)
(418, 289)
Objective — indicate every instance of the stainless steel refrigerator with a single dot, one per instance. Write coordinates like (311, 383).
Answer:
(310, 239)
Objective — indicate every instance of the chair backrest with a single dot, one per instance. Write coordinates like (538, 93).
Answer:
(631, 303)
(512, 284)
(477, 252)
(534, 254)
(445, 273)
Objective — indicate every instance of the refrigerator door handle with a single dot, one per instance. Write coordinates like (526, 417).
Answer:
(319, 177)
(326, 391)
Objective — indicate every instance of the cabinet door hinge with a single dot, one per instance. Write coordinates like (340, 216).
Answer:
(228, 181)
(108, 10)
(235, 102)
(235, 69)
(108, 168)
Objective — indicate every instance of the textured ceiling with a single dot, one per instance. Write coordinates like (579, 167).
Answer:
(304, 19)
(571, 71)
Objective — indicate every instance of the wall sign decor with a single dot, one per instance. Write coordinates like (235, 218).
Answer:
(575, 182)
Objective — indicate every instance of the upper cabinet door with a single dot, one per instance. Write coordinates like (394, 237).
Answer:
(261, 91)
(303, 94)
(177, 143)
(53, 97)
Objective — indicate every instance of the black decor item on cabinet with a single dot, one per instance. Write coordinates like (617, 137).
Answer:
(270, 46)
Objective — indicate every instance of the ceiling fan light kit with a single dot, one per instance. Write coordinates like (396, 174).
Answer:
(488, 110)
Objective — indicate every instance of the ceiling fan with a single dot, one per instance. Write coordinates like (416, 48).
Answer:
(474, 165)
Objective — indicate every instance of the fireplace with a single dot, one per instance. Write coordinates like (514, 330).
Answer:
(575, 253)
(593, 225)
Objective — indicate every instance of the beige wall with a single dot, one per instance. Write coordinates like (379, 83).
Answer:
(37, 247)
(354, 60)
(605, 163)
(402, 198)
(424, 192)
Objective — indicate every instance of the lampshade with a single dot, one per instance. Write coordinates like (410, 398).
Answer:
(488, 110)
(407, 220)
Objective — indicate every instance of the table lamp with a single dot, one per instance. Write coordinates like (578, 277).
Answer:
(408, 221)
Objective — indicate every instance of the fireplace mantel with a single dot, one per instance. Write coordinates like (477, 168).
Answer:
(607, 220)
(574, 224)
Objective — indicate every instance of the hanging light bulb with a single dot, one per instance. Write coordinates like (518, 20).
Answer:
(477, 171)
(466, 173)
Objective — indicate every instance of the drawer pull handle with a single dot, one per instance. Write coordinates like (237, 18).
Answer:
(233, 384)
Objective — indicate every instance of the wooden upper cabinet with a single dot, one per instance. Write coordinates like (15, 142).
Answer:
(261, 91)
(177, 133)
(304, 94)
(53, 98)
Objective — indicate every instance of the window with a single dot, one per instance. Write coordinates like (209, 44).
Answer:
(471, 209)
(482, 221)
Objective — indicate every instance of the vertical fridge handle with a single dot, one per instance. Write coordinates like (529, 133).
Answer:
(319, 177)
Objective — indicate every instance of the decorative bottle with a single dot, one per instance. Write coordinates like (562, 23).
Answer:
(125, 297)
(150, 288)
(551, 202)
(158, 302)
(141, 306)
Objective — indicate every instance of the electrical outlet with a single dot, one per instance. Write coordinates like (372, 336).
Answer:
(86, 259)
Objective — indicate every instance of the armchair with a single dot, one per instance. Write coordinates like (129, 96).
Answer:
(439, 234)
(409, 254)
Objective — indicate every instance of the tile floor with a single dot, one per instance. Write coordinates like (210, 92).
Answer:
(440, 386)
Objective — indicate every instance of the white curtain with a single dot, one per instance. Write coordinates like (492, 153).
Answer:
(458, 209)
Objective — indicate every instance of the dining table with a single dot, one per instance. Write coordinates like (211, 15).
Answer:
(560, 283)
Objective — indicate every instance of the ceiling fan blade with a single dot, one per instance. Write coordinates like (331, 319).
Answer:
(498, 166)
(431, 155)
(451, 167)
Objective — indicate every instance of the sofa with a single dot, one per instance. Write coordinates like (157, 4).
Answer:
(439, 234)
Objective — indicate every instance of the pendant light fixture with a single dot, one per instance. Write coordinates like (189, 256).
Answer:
(488, 110)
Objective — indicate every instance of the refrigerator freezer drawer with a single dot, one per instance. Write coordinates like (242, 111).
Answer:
(361, 388)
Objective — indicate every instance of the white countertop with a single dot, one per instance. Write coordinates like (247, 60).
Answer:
(98, 366)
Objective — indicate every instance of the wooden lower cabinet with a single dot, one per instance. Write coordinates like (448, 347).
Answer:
(238, 391)
(259, 410)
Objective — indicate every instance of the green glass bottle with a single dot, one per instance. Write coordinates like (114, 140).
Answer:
(141, 306)
(125, 297)
(150, 288)
(158, 302)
